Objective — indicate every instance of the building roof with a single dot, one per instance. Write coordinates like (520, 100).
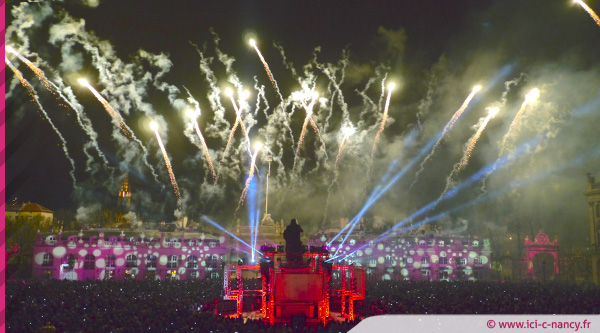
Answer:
(28, 207)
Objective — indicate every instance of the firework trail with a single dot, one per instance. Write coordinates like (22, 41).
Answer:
(124, 128)
(391, 87)
(307, 119)
(347, 132)
(531, 97)
(35, 99)
(81, 118)
(154, 127)
(238, 117)
(445, 132)
(38, 72)
(203, 143)
(467, 154)
(257, 148)
(238, 120)
(589, 11)
(114, 114)
(269, 74)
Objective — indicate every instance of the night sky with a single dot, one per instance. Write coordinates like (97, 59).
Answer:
(154, 59)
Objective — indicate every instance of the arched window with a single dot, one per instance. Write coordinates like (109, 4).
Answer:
(110, 261)
(151, 262)
(388, 260)
(192, 262)
(89, 262)
(48, 260)
(172, 263)
(131, 261)
(71, 261)
(194, 275)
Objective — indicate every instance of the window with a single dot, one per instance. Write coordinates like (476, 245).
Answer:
(444, 275)
(48, 260)
(425, 261)
(212, 244)
(194, 275)
(462, 261)
(214, 275)
(213, 261)
(388, 260)
(71, 261)
(192, 262)
(89, 262)
(131, 261)
(151, 262)
(372, 262)
(478, 261)
(443, 260)
(172, 263)
(425, 273)
(475, 243)
(110, 261)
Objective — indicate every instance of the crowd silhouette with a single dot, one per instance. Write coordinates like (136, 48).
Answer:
(181, 306)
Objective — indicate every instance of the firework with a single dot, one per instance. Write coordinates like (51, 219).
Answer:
(459, 112)
(35, 100)
(257, 148)
(269, 74)
(447, 129)
(531, 97)
(192, 116)
(467, 153)
(309, 112)
(391, 87)
(38, 72)
(589, 11)
(238, 116)
(348, 131)
(114, 114)
(465, 159)
(154, 127)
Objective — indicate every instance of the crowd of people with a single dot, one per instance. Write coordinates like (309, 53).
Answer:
(481, 297)
(181, 306)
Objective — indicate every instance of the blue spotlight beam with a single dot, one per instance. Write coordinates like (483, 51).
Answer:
(454, 191)
(205, 218)
(377, 194)
(490, 195)
(379, 191)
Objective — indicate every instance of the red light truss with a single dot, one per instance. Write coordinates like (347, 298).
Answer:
(295, 285)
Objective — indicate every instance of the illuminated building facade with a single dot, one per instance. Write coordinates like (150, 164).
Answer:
(80, 257)
(417, 257)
